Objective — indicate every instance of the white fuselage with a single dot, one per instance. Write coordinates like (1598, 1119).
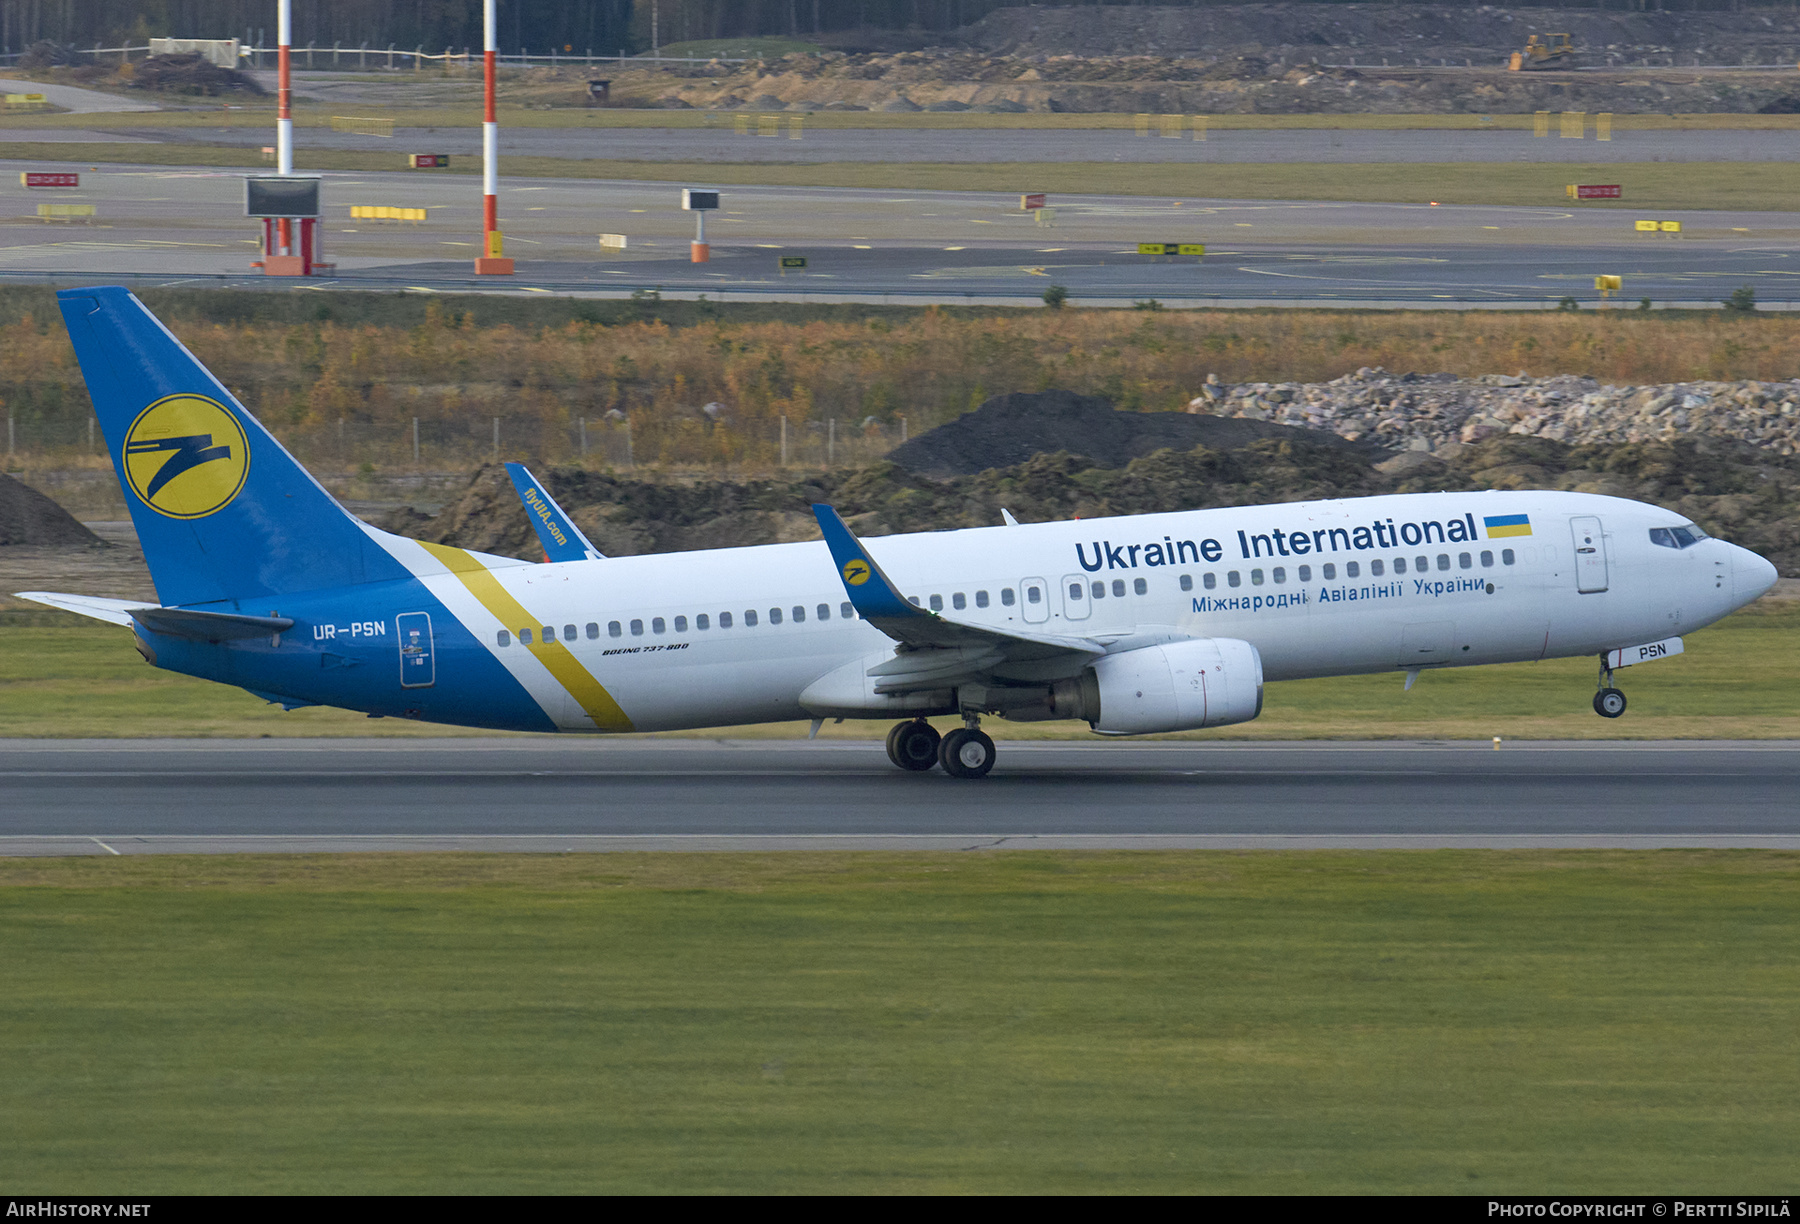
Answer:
(1320, 588)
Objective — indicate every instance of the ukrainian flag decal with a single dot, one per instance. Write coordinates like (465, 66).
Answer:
(1502, 525)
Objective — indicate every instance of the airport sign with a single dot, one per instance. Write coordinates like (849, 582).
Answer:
(35, 178)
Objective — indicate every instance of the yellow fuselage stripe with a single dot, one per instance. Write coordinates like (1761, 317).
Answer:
(557, 659)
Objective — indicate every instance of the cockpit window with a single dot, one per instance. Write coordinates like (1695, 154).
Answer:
(1685, 536)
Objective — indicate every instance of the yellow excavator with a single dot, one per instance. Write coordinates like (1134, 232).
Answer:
(1542, 51)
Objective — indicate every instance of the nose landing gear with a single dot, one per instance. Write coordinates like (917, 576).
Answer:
(964, 753)
(1609, 702)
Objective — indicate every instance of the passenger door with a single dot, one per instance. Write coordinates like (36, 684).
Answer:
(1590, 554)
(418, 663)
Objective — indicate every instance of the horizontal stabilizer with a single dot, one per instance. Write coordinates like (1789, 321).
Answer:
(112, 611)
(556, 531)
(209, 626)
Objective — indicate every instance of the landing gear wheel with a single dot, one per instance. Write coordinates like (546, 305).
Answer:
(1609, 703)
(966, 753)
(913, 746)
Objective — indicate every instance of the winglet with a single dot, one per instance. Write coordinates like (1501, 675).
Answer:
(557, 532)
(872, 593)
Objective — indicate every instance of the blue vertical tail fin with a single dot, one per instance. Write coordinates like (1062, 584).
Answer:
(222, 510)
(556, 531)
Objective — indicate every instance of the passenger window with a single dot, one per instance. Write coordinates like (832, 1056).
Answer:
(724, 620)
(549, 633)
(1097, 590)
(1139, 586)
(1351, 569)
(1375, 567)
(913, 600)
(1465, 561)
(1006, 596)
(847, 610)
(981, 599)
(937, 603)
(1306, 573)
(1232, 579)
(958, 602)
(568, 633)
(799, 614)
(524, 637)
(1330, 572)
(1443, 561)
(1506, 556)
(1211, 581)
(1487, 559)
(658, 625)
(1422, 564)
(614, 629)
(1187, 582)
(1119, 588)
(1074, 590)
(593, 630)
(1256, 577)
(503, 638)
(749, 618)
(824, 611)
(1033, 595)
(774, 616)
(702, 622)
(637, 628)
(1279, 574)
(681, 624)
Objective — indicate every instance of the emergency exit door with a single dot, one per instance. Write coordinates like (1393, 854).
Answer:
(418, 664)
(1590, 554)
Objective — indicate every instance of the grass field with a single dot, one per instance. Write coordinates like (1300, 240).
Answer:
(62, 677)
(1752, 186)
(1446, 1022)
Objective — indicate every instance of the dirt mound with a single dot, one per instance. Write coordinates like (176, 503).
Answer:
(28, 517)
(190, 74)
(1010, 429)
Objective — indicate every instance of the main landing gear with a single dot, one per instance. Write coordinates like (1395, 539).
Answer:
(964, 753)
(1609, 702)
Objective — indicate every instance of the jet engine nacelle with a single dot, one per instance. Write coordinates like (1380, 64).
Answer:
(1212, 682)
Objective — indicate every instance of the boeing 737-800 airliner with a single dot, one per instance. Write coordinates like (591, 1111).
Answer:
(1149, 623)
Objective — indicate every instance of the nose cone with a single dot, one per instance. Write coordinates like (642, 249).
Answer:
(1750, 575)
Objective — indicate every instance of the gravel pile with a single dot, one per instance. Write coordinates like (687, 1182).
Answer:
(1437, 411)
(28, 517)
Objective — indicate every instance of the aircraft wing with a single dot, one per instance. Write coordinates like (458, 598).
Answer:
(557, 532)
(934, 649)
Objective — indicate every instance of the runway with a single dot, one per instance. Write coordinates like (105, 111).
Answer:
(135, 797)
(158, 226)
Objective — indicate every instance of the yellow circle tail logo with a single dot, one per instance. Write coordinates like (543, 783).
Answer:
(186, 456)
(856, 572)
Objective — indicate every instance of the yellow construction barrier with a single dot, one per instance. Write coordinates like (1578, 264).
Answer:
(1172, 125)
(362, 127)
(1142, 124)
(794, 126)
(768, 125)
(1574, 124)
(1540, 123)
(740, 124)
(1199, 127)
(385, 212)
(66, 213)
(1603, 126)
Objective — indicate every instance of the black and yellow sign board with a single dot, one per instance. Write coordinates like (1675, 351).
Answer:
(1171, 248)
(792, 261)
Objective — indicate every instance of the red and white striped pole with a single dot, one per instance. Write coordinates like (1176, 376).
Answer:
(284, 115)
(492, 261)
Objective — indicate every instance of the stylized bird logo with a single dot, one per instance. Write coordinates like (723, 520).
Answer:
(856, 572)
(188, 453)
